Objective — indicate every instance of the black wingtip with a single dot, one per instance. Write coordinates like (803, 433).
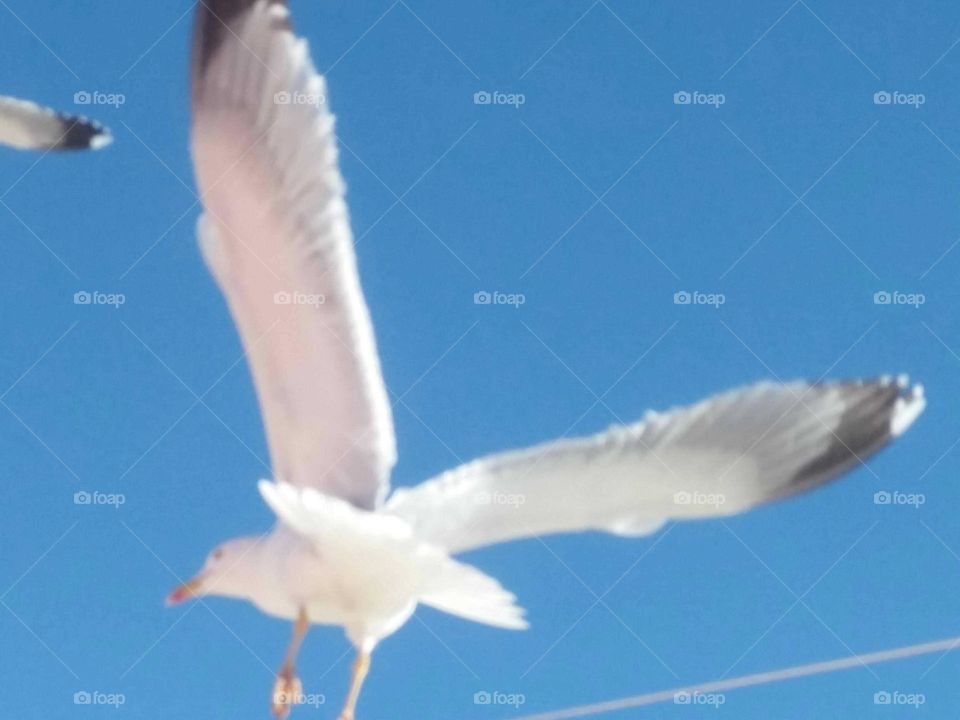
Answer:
(82, 134)
(877, 412)
(213, 22)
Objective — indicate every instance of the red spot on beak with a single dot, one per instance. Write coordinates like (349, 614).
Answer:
(187, 591)
(176, 597)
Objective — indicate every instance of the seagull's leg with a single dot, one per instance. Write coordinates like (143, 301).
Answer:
(360, 669)
(288, 689)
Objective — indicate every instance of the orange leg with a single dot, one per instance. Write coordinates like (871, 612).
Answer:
(360, 669)
(288, 690)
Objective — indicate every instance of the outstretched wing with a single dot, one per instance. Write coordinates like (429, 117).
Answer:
(277, 237)
(719, 457)
(27, 126)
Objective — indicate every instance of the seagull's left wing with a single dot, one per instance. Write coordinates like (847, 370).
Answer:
(277, 237)
(722, 456)
(27, 126)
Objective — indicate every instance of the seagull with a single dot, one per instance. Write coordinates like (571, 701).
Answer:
(24, 125)
(276, 236)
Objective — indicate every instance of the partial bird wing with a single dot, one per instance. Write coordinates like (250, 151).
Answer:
(276, 235)
(27, 126)
(719, 457)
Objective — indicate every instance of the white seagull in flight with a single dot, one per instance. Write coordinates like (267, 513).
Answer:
(276, 236)
(27, 126)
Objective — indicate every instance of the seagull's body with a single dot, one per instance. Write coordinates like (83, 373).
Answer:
(276, 234)
(364, 571)
(24, 125)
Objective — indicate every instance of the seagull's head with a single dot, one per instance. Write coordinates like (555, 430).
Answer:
(226, 572)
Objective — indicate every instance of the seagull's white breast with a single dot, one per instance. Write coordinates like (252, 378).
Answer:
(368, 585)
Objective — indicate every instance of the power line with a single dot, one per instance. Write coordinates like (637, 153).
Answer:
(764, 678)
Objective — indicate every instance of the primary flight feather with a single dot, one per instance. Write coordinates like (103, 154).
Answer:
(276, 234)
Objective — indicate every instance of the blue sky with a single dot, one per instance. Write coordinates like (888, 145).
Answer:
(787, 186)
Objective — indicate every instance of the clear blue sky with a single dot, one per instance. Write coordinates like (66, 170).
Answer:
(798, 198)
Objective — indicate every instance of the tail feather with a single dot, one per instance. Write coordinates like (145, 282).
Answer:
(468, 593)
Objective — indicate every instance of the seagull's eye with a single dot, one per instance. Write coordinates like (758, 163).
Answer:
(218, 553)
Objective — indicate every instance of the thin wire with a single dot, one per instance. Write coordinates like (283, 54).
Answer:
(772, 676)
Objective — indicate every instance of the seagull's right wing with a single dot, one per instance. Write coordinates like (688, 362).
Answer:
(28, 126)
(719, 457)
(276, 235)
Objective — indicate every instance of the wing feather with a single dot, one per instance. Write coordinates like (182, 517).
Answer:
(27, 126)
(276, 235)
(719, 457)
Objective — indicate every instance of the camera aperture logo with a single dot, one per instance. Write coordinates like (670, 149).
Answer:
(714, 300)
(95, 97)
(99, 699)
(701, 699)
(298, 298)
(499, 298)
(899, 699)
(695, 97)
(99, 499)
(97, 298)
(900, 499)
(485, 697)
(895, 97)
(514, 100)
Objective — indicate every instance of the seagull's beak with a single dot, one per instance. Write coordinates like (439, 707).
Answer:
(188, 591)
